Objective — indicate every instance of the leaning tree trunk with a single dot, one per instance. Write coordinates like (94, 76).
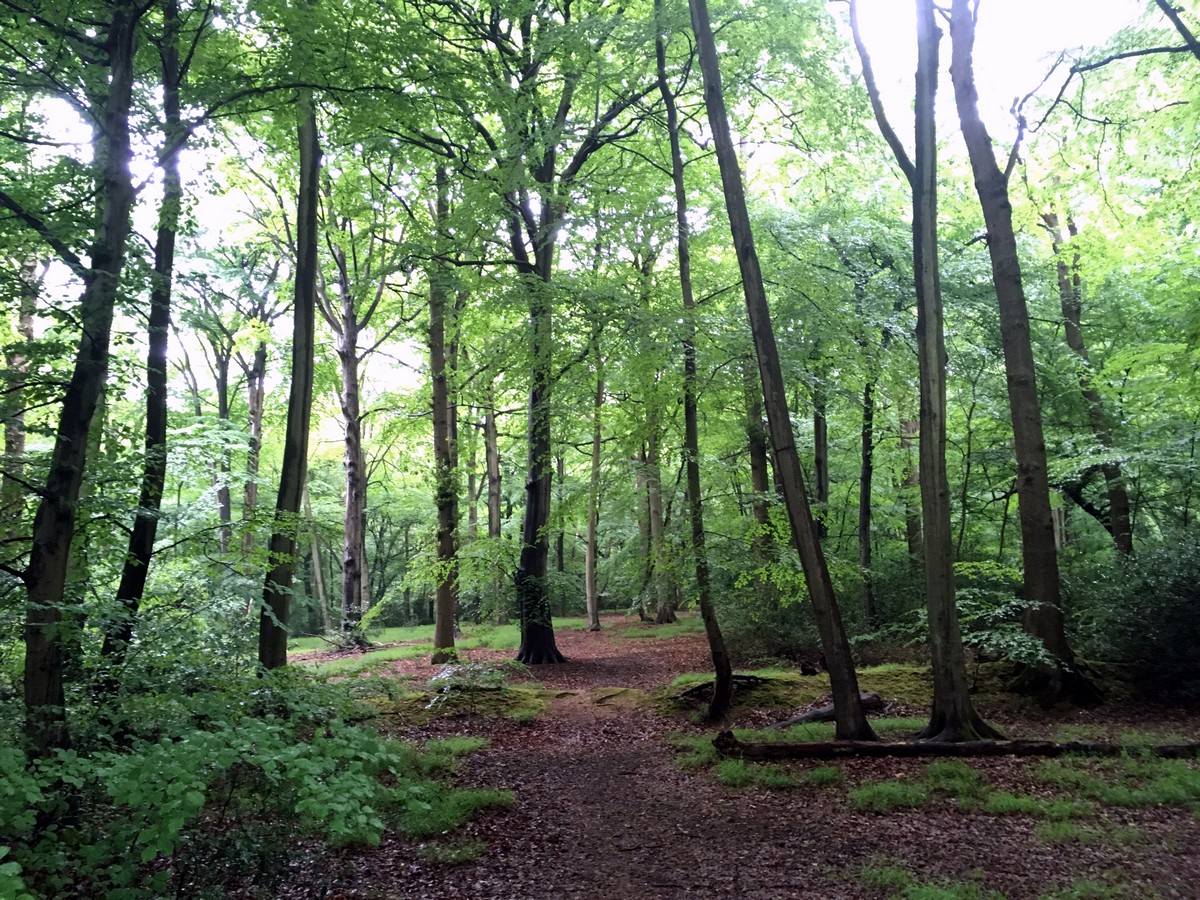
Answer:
(277, 589)
(54, 522)
(851, 722)
(1043, 613)
(119, 631)
(1070, 294)
(723, 669)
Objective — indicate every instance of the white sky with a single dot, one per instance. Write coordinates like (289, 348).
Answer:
(1016, 43)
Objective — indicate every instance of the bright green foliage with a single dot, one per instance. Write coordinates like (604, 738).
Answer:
(214, 800)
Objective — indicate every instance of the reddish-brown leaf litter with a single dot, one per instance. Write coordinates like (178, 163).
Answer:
(603, 811)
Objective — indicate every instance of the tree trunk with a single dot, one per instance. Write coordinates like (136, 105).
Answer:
(661, 575)
(256, 378)
(910, 428)
(723, 669)
(445, 476)
(54, 523)
(12, 405)
(1070, 294)
(820, 403)
(225, 467)
(851, 721)
(953, 717)
(591, 591)
(318, 568)
(866, 476)
(119, 631)
(1043, 614)
(491, 452)
(276, 607)
(760, 473)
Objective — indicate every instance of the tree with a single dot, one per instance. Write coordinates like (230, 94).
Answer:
(277, 590)
(953, 717)
(107, 98)
(723, 682)
(1042, 592)
(851, 721)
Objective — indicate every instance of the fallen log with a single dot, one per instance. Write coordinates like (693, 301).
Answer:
(870, 701)
(728, 745)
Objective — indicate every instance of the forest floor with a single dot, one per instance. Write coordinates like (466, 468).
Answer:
(603, 809)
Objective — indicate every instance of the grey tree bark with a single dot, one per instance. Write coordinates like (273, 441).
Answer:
(851, 722)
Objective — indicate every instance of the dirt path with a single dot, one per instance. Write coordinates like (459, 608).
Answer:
(603, 812)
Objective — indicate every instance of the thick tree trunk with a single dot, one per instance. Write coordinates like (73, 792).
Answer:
(276, 605)
(119, 631)
(723, 668)
(851, 722)
(1043, 614)
(1070, 294)
(953, 717)
(54, 523)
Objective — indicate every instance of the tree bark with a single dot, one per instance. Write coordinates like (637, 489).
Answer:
(1070, 294)
(723, 668)
(54, 522)
(1043, 615)
(953, 717)
(820, 403)
(119, 631)
(590, 587)
(445, 476)
(276, 604)
(12, 404)
(851, 722)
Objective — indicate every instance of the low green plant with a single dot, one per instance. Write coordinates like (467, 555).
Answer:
(451, 854)
(737, 773)
(824, 776)
(886, 796)
(1065, 832)
(1003, 803)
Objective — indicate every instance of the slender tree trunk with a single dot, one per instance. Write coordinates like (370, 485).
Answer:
(820, 403)
(851, 722)
(591, 590)
(560, 537)
(54, 523)
(866, 477)
(662, 576)
(723, 669)
(910, 428)
(1070, 293)
(445, 476)
(318, 569)
(225, 466)
(119, 631)
(760, 470)
(953, 717)
(491, 453)
(276, 608)
(1043, 614)
(256, 378)
(12, 405)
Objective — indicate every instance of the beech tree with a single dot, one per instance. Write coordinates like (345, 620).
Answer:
(851, 721)
(1042, 591)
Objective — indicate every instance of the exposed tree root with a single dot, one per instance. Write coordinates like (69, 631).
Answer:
(728, 745)
(1052, 685)
(704, 690)
(542, 656)
(870, 702)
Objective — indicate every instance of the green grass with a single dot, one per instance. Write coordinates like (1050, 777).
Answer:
(1128, 781)
(892, 877)
(436, 812)
(1002, 803)
(886, 796)
(1087, 889)
(737, 773)
(1064, 832)
(685, 624)
(452, 854)
(824, 776)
